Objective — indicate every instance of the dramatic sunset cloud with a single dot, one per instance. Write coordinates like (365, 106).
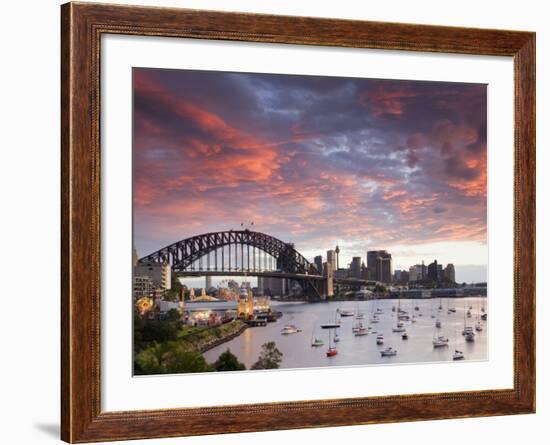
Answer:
(365, 163)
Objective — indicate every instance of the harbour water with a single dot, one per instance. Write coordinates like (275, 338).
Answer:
(363, 350)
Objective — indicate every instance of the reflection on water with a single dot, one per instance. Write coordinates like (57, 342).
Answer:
(353, 350)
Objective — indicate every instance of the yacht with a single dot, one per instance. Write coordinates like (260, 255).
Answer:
(467, 330)
(405, 336)
(470, 336)
(484, 317)
(440, 342)
(332, 351)
(458, 355)
(380, 339)
(398, 329)
(388, 352)
(361, 331)
(345, 313)
(336, 338)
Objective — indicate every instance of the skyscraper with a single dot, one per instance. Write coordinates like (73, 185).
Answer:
(372, 259)
(355, 267)
(450, 273)
(331, 258)
(379, 265)
(319, 263)
(433, 273)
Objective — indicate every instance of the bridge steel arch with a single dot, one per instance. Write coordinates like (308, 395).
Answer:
(182, 254)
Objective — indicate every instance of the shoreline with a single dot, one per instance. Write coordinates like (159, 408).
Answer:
(221, 340)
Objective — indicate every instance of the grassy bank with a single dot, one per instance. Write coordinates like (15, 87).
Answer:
(202, 339)
(163, 347)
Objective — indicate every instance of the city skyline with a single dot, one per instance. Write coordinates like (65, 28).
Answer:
(365, 164)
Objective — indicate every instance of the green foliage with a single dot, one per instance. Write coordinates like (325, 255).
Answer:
(175, 284)
(173, 315)
(172, 295)
(379, 289)
(270, 357)
(154, 330)
(169, 358)
(227, 361)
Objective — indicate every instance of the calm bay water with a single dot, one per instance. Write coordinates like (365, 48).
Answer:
(352, 350)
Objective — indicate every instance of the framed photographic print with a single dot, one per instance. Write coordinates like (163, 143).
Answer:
(283, 222)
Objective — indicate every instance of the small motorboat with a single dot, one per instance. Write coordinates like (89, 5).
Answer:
(470, 336)
(380, 339)
(416, 308)
(458, 355)
(345, 313)
(398, 329)
(290, 329)
(361, 331)
(440, 342)
(405, 336)
(331, 352)
(438, 324)
(360, 316)
(374, 319)
(388, 352)
(479, 328)
(469, 314)
(317, 342)
(452, 309)
(484, 317)
(399, 324)
(467, 330)
(336, 338)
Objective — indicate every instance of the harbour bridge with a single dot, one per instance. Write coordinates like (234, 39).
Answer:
(239, 252)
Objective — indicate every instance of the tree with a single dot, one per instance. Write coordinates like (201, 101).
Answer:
(169, 358)
(270, 357)
(155, 330)
(173, 315)
(228, 361)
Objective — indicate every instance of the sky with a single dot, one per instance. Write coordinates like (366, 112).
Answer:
(318, 161)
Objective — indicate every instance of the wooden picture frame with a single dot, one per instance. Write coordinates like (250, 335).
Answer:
(82, 26)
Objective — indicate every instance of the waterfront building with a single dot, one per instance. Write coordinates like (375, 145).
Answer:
(450, 273)
(142, 286)
(273, 286)
(165, 306)
(319, 263)
(417, 272)
(341, 273)
(160, 273)
(401, 276)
